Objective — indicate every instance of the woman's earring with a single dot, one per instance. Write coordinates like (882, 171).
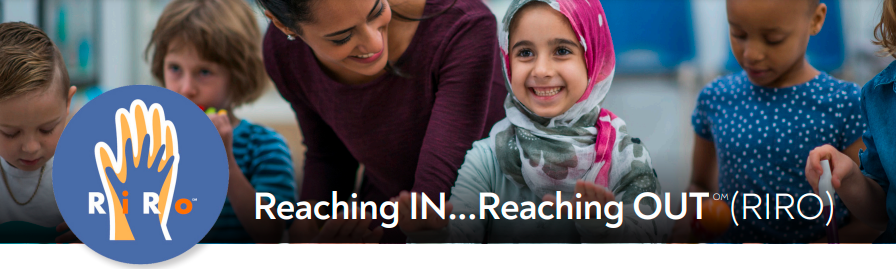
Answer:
(290, 37)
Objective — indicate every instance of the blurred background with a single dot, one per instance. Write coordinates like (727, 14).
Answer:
(666, 51)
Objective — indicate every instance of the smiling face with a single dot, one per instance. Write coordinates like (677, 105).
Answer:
(30, 126)
(349, 36)
(769, 39)
(203, 82)
(547, 66)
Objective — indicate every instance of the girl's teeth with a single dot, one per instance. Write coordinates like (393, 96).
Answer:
(365, 56)
(547, 91)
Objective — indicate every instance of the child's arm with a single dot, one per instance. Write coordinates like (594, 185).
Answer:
(857, 231)
(862, 189)
(705, 168)
(704, 178)
(862, 195)
(242, 194)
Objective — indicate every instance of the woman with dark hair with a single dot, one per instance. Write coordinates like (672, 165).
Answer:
(402, 86)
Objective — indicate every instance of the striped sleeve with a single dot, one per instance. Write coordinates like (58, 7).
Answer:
(265, 160)
(267, 164)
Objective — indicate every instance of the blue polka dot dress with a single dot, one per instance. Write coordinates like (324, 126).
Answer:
(763, 137)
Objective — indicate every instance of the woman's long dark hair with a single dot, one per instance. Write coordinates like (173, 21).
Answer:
(293, 12)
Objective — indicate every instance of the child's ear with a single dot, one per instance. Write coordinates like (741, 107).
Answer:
(818, 18)
(68, 99)
(279, 24)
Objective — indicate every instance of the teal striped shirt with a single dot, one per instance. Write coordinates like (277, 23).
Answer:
(264, 158)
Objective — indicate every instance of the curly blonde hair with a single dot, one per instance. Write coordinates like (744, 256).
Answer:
(884, 34)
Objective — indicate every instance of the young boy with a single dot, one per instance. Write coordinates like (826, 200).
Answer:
(210, 52)
(754, 128)
(35, 96)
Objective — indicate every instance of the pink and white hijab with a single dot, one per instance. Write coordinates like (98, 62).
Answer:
(586, 142)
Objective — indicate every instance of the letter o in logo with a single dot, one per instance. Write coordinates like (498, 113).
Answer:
(187, 209)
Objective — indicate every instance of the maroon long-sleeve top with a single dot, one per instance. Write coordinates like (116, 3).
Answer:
(411, 132)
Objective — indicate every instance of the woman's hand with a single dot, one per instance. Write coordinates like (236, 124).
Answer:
(351, 231)
(432, 221)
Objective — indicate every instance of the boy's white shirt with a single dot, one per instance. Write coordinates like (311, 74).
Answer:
(42, 210)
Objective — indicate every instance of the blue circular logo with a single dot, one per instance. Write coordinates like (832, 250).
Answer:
(140, 174)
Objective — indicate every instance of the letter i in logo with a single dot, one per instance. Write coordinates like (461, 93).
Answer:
(124, 203)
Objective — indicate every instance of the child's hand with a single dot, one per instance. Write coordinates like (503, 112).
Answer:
(225, 129)
(68, 236)
(432, 221)
(842, 167)
(590, 192)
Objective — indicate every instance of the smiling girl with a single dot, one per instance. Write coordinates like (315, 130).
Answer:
(755, 128)
(556, 137)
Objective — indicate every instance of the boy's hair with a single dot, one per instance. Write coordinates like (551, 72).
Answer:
(222, 31)
(883, 32)
(29, 61)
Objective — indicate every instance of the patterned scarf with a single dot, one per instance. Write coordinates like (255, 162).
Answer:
(551, 154)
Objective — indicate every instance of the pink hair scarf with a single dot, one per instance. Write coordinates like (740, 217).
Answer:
(551, 154)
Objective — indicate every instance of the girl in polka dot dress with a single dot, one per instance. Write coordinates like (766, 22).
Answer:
(756, 127)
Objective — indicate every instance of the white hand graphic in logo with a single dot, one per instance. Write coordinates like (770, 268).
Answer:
(147, 158)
